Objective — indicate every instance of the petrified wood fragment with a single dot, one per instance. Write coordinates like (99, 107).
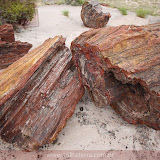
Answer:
(10, 52)
(7, 33)
(121, 66)
(38, 94)
(92, 15)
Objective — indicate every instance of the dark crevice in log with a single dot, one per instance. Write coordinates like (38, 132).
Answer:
(136, 91)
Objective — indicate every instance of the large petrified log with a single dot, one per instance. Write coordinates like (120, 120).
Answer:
(121, 66)
(38, 94)
(92, 15)
(10, 50)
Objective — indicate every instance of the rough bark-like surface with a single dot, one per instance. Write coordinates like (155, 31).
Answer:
(92, 15)
(121, 67)
(7, 33)
(10, 52)
(38, 94)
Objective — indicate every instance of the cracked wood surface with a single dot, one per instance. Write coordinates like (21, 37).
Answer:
(121, 67)
(38, 94)
(10, 50)
(92, 15)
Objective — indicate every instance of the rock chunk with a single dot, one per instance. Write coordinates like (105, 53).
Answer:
(120, 66)
(10, 50)
(38, 94)
(7, 33)
(92, 15)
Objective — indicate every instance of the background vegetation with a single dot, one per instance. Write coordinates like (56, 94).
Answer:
(22, 11)
(17, 11)
(153, 6)
(69, 2)
(123, 11)
(65, 13)
(75, 2)
(132, 5)
(140, 12)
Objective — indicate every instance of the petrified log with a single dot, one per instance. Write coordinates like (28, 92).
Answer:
(10, 52)
(7, 33)
(38, 94)
(120, 66)
(92, 15)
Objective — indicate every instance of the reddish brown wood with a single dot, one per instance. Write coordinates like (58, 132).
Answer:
(10, 50)
(38, 94)
(7, 33)
(105, 4)
(121, 66)
(92, 15)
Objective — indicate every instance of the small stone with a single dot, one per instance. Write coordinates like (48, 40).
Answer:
(81, 108)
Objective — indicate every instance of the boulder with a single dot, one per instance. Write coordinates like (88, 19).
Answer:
(92, 15)
(38, 94)
(120, 66)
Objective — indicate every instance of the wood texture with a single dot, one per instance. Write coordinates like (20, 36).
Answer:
(121, 67)
(92, 15)
(10, 50)
(7, 33)
(38, 94)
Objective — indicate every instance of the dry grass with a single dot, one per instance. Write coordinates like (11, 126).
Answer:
(65, 13)
(142, 12)
(132, 5)
(123, 11)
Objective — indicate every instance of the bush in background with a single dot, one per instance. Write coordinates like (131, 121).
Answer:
(17, 11)
(123, 11)
(142, 12)
(75, 2)
(65, 13)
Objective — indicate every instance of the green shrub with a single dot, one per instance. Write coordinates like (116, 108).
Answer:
(75, 2)
(142, 12)
(1, 22)
(17, 11)
(123, 11)
(59, 2)
(65, 13)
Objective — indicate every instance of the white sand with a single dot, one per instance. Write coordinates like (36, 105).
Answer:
(93, 128)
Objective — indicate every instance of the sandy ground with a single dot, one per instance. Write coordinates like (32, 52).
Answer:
(93, 128)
